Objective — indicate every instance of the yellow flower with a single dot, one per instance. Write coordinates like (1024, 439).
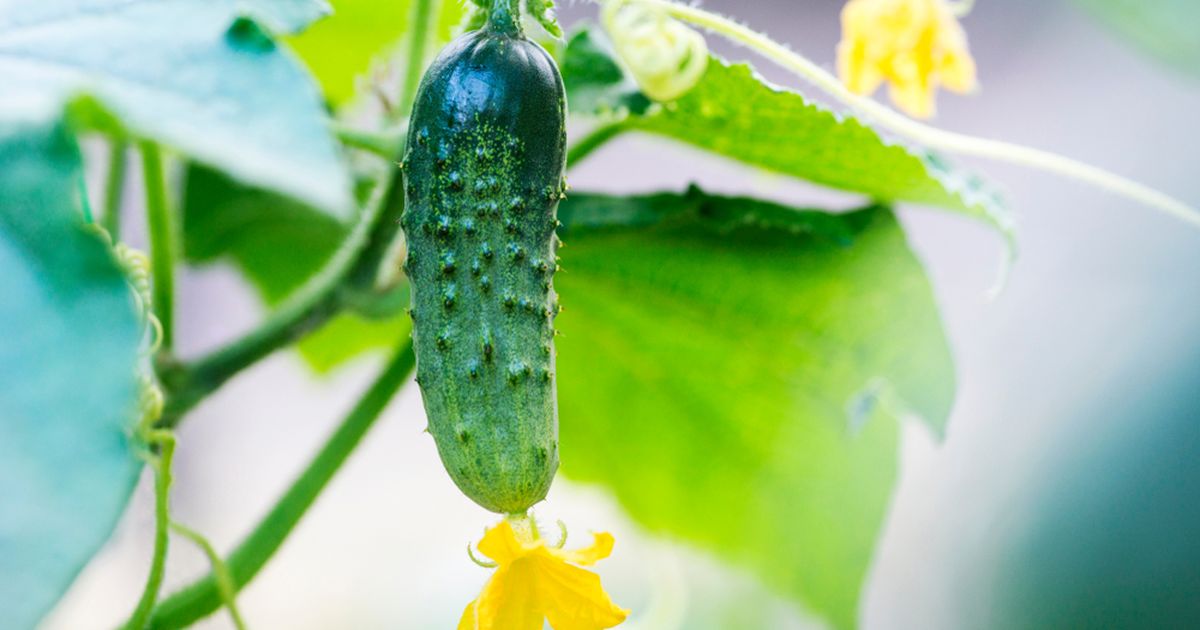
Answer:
(534, 582)
(915, 45)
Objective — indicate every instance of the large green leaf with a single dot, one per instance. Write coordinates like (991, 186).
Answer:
(735, 113)
(339, 51)
(1168, 29)
(67, 389)
(731, 370)
(188, 73)
(278, 244)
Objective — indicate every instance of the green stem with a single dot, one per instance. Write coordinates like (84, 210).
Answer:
(203, 597)
(162, 241)
(925, 134)
(595, 139)
(385, 144)
(162, 485)
(114, 189)
(505, 18)
(424, 26)
(344, 281)
(85, 204)
(224, 579)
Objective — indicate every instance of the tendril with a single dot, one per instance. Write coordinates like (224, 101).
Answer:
(136, 267)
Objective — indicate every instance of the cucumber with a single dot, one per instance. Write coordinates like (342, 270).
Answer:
(483, 178)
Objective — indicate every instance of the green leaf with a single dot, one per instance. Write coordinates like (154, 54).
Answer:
(542, 11)
(731, 370)
(340, 50)
(278, 244)
(67, 387)
(735, 113)
(188, 73)
(1166, 29)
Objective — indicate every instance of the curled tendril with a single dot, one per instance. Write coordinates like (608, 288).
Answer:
(487, 564)
(137, 269)
(136, 266)
(150, 398)
(666, 57)
(156, 333)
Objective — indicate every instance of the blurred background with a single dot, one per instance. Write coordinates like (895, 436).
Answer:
(1066, 492)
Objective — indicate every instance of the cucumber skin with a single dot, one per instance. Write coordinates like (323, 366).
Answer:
(483, 178)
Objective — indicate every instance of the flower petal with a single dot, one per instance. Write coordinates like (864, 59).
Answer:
(601, 548)
(573, 598)
(500, 543)
(511, 599)
(470, 617)
(913, 45)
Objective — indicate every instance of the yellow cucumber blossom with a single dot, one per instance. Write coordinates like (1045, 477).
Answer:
(534, 583)
(914, 45)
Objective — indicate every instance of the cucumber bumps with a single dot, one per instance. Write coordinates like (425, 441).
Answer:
(483, 178)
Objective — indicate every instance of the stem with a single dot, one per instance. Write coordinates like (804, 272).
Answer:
(595, 139)
(85, 204)
(348, 275)
(385, 144)
(114, 189)
(361, 278)
(505, 18)
(930, 136)
(162, 241)
(162, 484)
(424, 24)
(224, 579)
(202, 597)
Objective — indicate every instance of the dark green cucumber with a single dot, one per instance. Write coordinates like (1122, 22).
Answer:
(483, 178)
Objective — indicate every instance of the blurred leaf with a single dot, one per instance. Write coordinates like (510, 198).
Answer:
(735, 113)
(188, 73)
(595, 83)
(340, 49)
(278, 244)
(1168, 29)
(286, 16)
(67, 388)
(1107, 534)
(731, 370)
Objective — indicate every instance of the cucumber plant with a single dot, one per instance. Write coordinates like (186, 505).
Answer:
(728, 368)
